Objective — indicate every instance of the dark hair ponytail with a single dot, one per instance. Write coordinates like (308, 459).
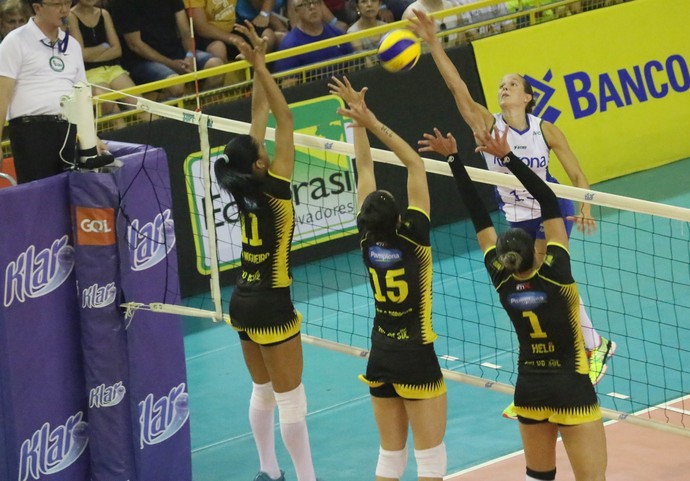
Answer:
(234, 172)
(515, 249)
(379, 215)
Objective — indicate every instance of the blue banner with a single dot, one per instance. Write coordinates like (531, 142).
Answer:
(43, 407)
(94, 204)
(156, 351)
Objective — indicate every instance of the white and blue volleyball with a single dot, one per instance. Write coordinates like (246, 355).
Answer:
(399, 50)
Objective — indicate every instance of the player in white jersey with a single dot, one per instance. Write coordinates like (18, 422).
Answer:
(531, 139)
(529, 144)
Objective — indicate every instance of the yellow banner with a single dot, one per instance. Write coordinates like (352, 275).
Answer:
(615, 80)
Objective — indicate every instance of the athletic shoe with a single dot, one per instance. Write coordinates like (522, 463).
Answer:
(598, 358)
(265, 477)
(509, 412)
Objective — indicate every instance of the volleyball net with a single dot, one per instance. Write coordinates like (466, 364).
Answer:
(633, 273)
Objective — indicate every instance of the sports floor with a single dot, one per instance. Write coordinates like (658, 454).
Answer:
(481, 444)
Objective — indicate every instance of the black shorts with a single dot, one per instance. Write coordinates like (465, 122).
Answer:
(266, 317)
(560, 398)
(411, 372)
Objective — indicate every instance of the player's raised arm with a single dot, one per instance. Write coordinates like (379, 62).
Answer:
(284, 158)
(447, 146)
(417, 187)
(366, 180)
(474, 114)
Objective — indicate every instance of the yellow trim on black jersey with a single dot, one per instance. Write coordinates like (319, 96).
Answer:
(423, 253)
(276, 333)
(566, 416)
(273, 174)
(426, 214)
(284, 225)
(428, 390)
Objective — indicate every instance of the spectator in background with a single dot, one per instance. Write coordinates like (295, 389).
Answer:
(214, 22)
(158, 43)
(392, 10)
(343, 10)
(13, 14)
(39, 63)
(309, 28)
(368, 11)
(442, 23)
(93, 28)
(386, 14)
(483, 14)
(328, 17)
(267, 18)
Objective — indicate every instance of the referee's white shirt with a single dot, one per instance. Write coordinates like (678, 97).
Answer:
(27, 57)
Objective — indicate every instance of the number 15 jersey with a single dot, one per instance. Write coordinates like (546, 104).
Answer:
(400, 273)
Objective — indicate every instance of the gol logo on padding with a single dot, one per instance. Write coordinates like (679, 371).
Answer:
(95, 226)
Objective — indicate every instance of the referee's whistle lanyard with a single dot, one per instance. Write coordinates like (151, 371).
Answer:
(55, 62)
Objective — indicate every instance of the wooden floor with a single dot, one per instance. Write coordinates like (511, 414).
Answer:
(635, 453)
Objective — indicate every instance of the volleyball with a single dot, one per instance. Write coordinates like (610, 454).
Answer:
(399, 50)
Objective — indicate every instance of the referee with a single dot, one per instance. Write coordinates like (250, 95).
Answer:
(39, 63)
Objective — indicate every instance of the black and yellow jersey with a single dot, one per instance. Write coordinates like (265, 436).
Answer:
(545, 311)
(400, 274)
(267, 237)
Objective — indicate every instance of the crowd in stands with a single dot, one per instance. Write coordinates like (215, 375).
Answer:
(128, 42)
(13, 14)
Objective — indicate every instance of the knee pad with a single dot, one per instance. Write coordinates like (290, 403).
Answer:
(391, 464)
(292, 405)
(432, 462)
(541, 475)
(262, 397)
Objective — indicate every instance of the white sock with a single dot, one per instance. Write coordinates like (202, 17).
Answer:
(292, 407)
(262, 420)
(592, 337)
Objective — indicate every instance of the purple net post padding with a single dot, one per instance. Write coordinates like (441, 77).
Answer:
(146, 238)
(42, 403)
(122, 149)
(94, 206)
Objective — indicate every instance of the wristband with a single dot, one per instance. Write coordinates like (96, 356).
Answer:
(105, 45)
(451, 158)
(264, 13)
(189, 54)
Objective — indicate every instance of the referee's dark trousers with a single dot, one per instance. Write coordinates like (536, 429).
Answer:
(42, 146)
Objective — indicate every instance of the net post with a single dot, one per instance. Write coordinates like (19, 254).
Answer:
(210, 222)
